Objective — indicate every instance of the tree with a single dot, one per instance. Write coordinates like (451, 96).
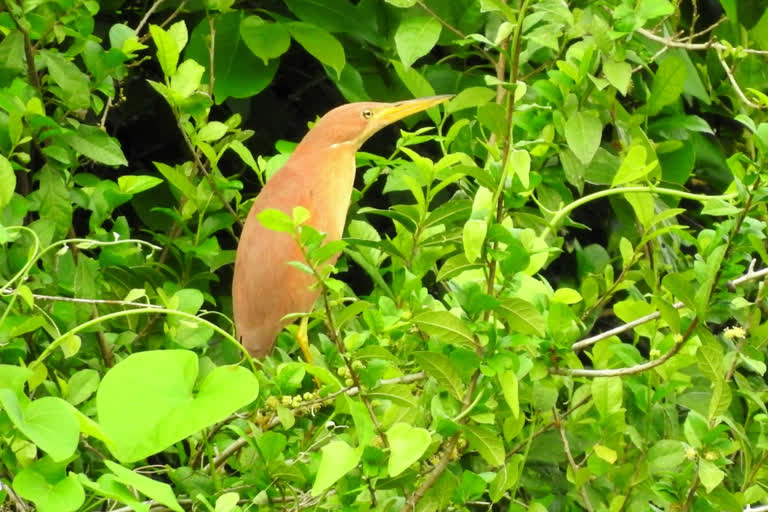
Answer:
(551, 291)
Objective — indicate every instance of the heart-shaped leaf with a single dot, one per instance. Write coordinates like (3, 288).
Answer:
(46, 484)
(407, 444)
(148, 402)
(48, 422)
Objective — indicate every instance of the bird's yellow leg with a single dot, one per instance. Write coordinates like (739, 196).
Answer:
(303, 338)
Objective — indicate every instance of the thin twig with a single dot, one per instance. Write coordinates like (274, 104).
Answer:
(173, 14)
(149, 13)
(547, 428)
(582, 344)
(445, 459)
(454, 30)
(630, 370)
(201, 167)
(349, 391)
(211, 54)
(751, 275)
(571, 461)
(105, 113)
(735, 84)
(694, 46)
(14, 498)
(56, 298)
(507, 148)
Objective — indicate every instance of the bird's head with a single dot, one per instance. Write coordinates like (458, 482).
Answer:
(354, 123)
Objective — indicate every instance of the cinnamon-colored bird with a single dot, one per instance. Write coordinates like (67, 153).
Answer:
(319, 176)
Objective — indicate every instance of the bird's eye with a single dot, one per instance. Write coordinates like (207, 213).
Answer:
(367, 114)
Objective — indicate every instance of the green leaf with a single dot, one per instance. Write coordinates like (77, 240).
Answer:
(487, 442)
(520, 163)
(649, 9)
(266, 40)
(619, 74)
(147, 402)
(719, 208)
(566, 296)
(509, 388)
(131, 184)
(337, 459)
(454, 266)
(74, 84)
(505, 478)
(187, 332)
(667, 85)
(109, 487)
(276, 220)
(445, 327)
(583, 133)
(407, 444)
(238, 72)
(82, 385)
(522, 316)
(7, 182)
(158, 491)
(665, 455)
(94, 143)
(440, 367)
(681, 288)
(710, 475)
(212, 131)
(632, 167)
(46, 484)
(320, 44)
(413, 80)
(469, 98)
(178, 179)
(178, 31)
(415, 37)
(608, 395)
(473, 237)
(48, 422)
(186, 80)
(227, 502)
(168, 50)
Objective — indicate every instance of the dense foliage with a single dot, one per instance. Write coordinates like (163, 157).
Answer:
(550, 295)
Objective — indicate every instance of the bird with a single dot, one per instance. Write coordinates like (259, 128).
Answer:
(319, 176)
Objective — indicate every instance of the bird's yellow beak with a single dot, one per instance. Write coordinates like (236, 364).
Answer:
(401, 109)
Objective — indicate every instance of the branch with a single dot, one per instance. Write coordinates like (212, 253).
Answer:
(442, 464)
(57, 298)
(149, 12)
(630, 370)
(673, 43)
(582, 344)
(211, 182)
(735, 84)
(571, 461)
(751, 275)
(454, 30)
(350, 391)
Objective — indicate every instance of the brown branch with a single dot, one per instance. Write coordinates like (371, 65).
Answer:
(673, 43)
(507, 149)
(630, 370)
(445, 459)
(149, 13)
(571, 461)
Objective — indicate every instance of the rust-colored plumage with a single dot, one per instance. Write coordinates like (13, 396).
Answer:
(319, 176)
